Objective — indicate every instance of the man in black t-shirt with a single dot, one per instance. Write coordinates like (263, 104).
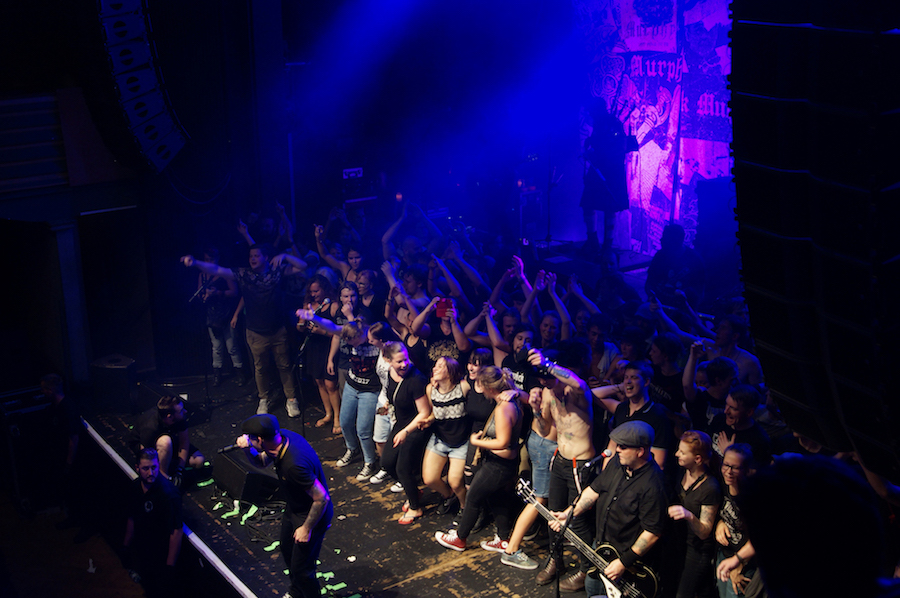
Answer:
(736, 425)
(154, 528)
(260, 287)
(308, 512)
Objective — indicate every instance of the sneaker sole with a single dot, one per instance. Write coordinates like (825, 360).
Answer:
(493, 548)
(437, 536)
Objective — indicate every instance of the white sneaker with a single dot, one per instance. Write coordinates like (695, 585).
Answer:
(378, 477)
(293, 408)
(398, 487)
(263, 407)
(366, 472)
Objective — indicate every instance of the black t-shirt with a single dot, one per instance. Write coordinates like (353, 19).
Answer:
(627, 506)
(402, 395)
(706, 493)
(755, 436)
(262, 298)
(439, 345)
(522, 373)
(668, 391)
(362, 375)
(156, 514)
(730, 514)
(298, 467)
(656, 416)
(702, 409)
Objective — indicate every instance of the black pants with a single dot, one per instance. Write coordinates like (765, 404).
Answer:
(301, 558)
(697, 576)
(404, 462)
(493, 487)
(563, 490)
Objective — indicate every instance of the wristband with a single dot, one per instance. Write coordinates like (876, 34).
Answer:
(743, 562)
(629, 558)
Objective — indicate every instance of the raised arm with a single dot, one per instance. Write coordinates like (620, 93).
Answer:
(498, 290)
(462, 341)
(576, 291)
(418, 325)
(207, 267)
(455, 289)
(565, 328)
(540, 284)
(245, 232)
(333, 262)
(387, 248)
(690, 371)
(296, 264)
(455, 254)
(308, 315)
(564, 375)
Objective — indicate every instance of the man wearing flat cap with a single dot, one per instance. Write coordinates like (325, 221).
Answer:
(631, 503)
(308, 513)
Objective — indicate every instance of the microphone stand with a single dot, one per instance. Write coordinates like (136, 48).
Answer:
(556, 547)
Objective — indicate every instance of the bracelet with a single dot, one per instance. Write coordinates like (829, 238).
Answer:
(743, 562)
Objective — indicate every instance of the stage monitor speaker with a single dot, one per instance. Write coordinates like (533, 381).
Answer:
(242, 481)
(114, 380)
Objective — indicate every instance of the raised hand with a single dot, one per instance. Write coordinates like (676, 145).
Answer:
(187, 260)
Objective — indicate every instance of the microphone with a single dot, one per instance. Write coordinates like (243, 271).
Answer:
(604, 455)
(227, 449)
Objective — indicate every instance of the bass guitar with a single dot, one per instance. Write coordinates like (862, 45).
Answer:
(638, 581)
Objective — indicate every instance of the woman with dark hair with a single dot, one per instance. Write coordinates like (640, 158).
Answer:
(450, 434)
(732, 569)
(699, 498)
(315, 347)
(493, 486)
(402, 456)
(380, 333)
(370, 295)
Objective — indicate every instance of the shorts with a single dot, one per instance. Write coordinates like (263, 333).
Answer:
(438, 446)
(540, 451)
(382, 429)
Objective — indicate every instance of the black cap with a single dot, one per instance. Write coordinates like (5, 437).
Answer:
(633, 433)
(264, 426)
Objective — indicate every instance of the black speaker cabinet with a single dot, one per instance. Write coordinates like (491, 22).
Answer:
(234, 474)
(114, 379)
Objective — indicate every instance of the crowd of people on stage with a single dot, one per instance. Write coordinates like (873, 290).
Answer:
(450, 361)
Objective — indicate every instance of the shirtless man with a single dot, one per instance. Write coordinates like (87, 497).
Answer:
(571, 410)
(729, 332)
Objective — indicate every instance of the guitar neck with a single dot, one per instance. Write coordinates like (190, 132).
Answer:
(580, 544)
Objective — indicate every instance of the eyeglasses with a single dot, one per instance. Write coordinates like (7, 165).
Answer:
(625, 447)
(732, 467)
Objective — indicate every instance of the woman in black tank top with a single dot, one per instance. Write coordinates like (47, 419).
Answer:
(493, 486)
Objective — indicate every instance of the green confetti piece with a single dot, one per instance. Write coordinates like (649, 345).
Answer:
(356, 596)
(249, 514)
(236, 511)
(318, 562)
(287, 572)
(272, 546)
(337, 586)
(206, 483)
(323, 590)
(337, 551)
(326, 575)
(206, 464)
(218, 506)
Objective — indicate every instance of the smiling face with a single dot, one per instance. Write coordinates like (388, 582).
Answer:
(735, 414)
(509, 324)
(316, 292)
(364, 284)
(400, 363)
(634, 384)
(439, 372)
(549, 329)
(733, 470)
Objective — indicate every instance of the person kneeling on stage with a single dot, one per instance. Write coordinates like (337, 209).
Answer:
(154, 530)
(308, 513)
(165, 428)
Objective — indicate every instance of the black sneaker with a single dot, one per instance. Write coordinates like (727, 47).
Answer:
(449, 506)
(348, 458)
(368, 470)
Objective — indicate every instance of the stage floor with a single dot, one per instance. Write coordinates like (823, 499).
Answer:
(366, 552)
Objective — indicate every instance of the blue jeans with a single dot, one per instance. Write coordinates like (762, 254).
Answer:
(593, 586)
(222, 339)
(540, 451)
(358, 414)
(724, 587)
